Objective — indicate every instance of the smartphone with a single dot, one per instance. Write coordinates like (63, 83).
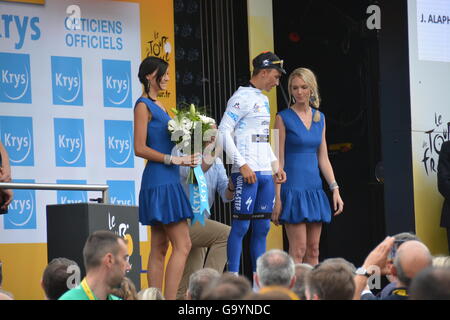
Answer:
(394, 249)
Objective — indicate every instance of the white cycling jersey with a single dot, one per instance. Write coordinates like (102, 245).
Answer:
(244, 130)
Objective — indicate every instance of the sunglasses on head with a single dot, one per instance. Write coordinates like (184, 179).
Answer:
(267, 63)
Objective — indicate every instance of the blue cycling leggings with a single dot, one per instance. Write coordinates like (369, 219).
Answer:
(250, 198)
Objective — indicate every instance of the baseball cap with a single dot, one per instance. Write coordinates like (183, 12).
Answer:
(267, 60)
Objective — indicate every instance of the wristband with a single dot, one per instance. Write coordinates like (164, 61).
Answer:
(167, 159)
(334, 185)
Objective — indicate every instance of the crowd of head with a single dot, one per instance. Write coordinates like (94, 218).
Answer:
(403, 261)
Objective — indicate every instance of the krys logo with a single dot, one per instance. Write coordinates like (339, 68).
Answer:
(67, 81)
(121, 192)
(121, 229)
(15, 84)
(22, 210)
(69, 196)
(119, 144)
(17, 137)
(116, 83)
(17, 29)
(69, 143)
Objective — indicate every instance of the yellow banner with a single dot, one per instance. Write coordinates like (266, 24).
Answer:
(158, 40)
(260, 35)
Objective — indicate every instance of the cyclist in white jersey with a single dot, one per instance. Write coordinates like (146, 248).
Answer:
(244, 134)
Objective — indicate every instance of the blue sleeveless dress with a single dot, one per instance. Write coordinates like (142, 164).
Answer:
(302, 196)
(162, 199)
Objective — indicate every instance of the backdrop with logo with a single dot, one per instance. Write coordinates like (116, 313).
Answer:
(67, 90)
(429, 59)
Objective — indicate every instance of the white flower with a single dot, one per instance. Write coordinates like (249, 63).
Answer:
(207, 120)
(187, 124)
(172, 125)
(186, 136)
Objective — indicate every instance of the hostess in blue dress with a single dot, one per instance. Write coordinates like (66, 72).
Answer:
(302, 196)
(162, 199)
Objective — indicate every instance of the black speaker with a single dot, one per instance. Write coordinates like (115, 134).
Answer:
(69, 225)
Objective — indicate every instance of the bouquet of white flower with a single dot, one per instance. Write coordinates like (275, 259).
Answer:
(189, 129)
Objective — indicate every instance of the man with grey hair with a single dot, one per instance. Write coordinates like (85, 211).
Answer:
(200, 281)
(411, 258)
(275, 268)
(301, 272)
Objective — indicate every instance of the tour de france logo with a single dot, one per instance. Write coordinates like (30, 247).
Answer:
(159, 46)
(432, 143)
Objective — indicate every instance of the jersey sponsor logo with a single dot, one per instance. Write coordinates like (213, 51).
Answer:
(237, 105)
(233, 116)
(257, 108)
(238, 193)
(266, 105)
(260, 138)
(242, 124)
(249, 203)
